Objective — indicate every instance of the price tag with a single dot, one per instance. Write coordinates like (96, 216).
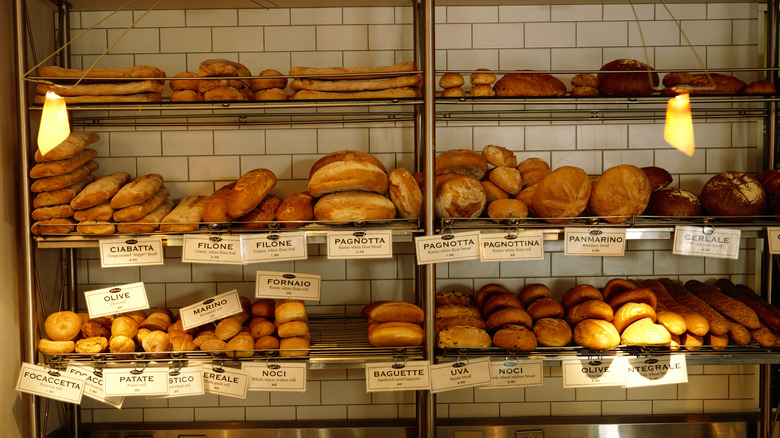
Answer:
(707, 241)
(137, 251)
(773, 237)
(665, 370)
(93, 387)
(45, 382)
(219, 249)
(209, 310)
(184, 381)
(590, 373)
(117, 299)
(448, 376)
(271, 284)
(285, 376)
(274, 247)
(230, 382)
(513, 373)
(594, 241)
(405, 376)
(447, 248)
(128, 381)
(513, 246)
(360, 244)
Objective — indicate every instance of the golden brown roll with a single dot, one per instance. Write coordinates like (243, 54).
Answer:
(507, 178)
(658, 177)
(693, 342)
(124, 326)
(94, 329)
(202, 338)
(396, 334)
(621, 192)
(185, 96)
(454, 297)
(596, 334)
(138, 315)
(396, 311)
(216, 205)
(62, 225)
(227, 328)
(449, 80)
(156, 342)
(354, 206)
(482, 90)
(483, 76)
(460, 197)
(47, 346)
(461, 336)
(463, 162)
(564, 193)
(579, 294)
(121, 344)
(717, 342)
(673, 322)
(492, 192)
(499, 156)
(615, 286)
(261, 83)
(545, 308)
(270, 94)
(488, 290)
(348, 175)
(552, 332)
(626, 84)
(296, 208)
(294, 347)
(443, 323)
(584, 91)
(639, 295)
(585, 80)
(450, 310)
(405, 194)
(630, 312)
(645, 332)
(532, 163)
(242, 345)
(182, 83)
(263, 213)
(509, 315)
(141, 334)
(453, 92)
(500, 301)
(263, 307)
(289, 310)
(531, 292)
(764, 337)
(293, 328)
(267, 343)
(181, 341)
(515, 338)
(213, 344)
(156, 321)
(260, 326)
(249, 191)
(63, 326)
(507, 209)
(590, 309)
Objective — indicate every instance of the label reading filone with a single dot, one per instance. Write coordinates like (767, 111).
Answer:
(522, 245)
(230, 382)
(56, 385)
(285, 376)
(130, 382)
(662, 370)
(773, 238)
(707, 241)
(291, 285)
(594, 241)
(274, 247)
(447, 248)
(448, 376)
(93, 387)
(515, 373)
(406, 376)
(183, 382)
(117, 299)
(220, 249)
(360, 244)
(590, 372)
(209, 310)
(136, 251)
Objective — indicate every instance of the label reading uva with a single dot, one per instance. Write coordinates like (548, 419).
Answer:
(523, 245)
(707, 241)
(274, 247)
(283, 376)
(391, 376)
(117, 299)
(292, 285)
(594, 241)
(448, 376)
(219, 248)
(130, 382)
(447, 248)
(44, 382)
(137, 251)
(209, 310)
(360, 244)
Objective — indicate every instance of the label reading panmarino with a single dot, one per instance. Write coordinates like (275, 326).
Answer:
(447, 248)
(390, 376)
(523, 245)
(360, 244)
(707, 241)
(221, 249)
(117, 299)
(285, 376)
(274, 247)
(44, 382)
(209, 310)
(271, 284)
(594, 241)
(137, 251)
(663, 370)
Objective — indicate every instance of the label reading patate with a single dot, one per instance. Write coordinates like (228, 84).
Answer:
(594, 241)
(183, 382)
(447, 248)
(515, 373)
(664, 370)
(523, 245)
(587, 373)
(137, 251)
(291, 285)
(209, 310)
(391, 376)
(448, 376)
(219, 249)
(229, 382)
(117, 299)
(286, 376)
(44, 382)
(131, 382)
(274, 247)
(773, 237)
(93, 387)
(360, 244)
(707, 241)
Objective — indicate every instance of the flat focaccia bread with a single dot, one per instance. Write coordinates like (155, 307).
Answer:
(61, 181)
(103, 89)
(393, 93)
(54, 226)
(137, 71)
(136, 212)
(357, 84)
(186, 216)
(75, 143)
(61, 196)
(51, 212)
(143, 97)
(148, 223)
(100, 191)
(100, 212)
(137, 191)
(370, 72)
(61, 167)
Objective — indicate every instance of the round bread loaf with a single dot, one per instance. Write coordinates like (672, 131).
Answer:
(532, 163)
(482, 91)
(287, 310)
(500, 301)
(616, 286)
(545, 308)
(507, 178)
(485, 292)
(492, 191)
(295, 209)
(462, 161)
(92, 345)
(585, 80)
(620, 193)
(482, 77)
(759, 87)
(242, 345)
(443, 323)
(627, 84)
(121, 344)
(671, 201)
(453, 92)
(124, 326)
(630, 312)
(63, 326)
(645, 332)
(584, 91)
(507, 209)
(227, 328)
(657, 177)
(579, 294)
(263, 307)
(509, 315)
(515, 338)
(47, 346)
(527, 196)
(564, 193)
(596, 334)
(734, 194)
(499, 156)
(591, 309)
(531, 292)
(552, 332)
(267, 343)
(181, 83)
(294, 347)
(460, 197)
(292, 328)
(265, 83)
(405, 194)
(346, 155)
(770, 180)
(461, 336)
(353, 206)
(454, 297)
(343, 176)
(260, 327)
(529, 84)
(449, 80)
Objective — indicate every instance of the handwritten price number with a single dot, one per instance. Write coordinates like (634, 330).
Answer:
(360, 251)
(133, 259)
(399, 384)
(460, 382)
(274, 384)
(449, 255)
(214, 257)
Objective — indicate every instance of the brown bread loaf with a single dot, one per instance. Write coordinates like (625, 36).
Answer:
(405, 194)
(136, 212)
(342, 176)
(137, 191)
(215, 208)
(61, 167)
(61, 225)
(735, 194)
(645, 332)
(673, 202)
(51, 212)
(61, 181)
(564, 193)
(726, 305)
(619, 193)
(529, 84)
(460, 336)
(61, 196)
(296, 208)
(148, 223)
(100, 212)
(264, 212)
(75, 143)
(718, 324)
(596, 334)
(768, 313)
(499, 156)
(100, 190)
(460, 197)
(515, 338)
(249, 190)
(354, 206)
(185, 216)
(626, 84)
(463, 162)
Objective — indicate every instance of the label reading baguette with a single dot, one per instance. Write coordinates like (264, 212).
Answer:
(594, 241)
(45, 382)
(220, 249)
(360, 244)
(404, 376)
(117, 299)
(137, 251)
(271, 284)
(183, 382)
(588, 373)
(229, 382)
(510, 373)
(773, 238)
(663, 370)
(462, 374)
(447, 248)
(212, 309)
(707, 241)
(522, 245)
(129, 381)
(93, 387)
(285, 376)
(274, 247)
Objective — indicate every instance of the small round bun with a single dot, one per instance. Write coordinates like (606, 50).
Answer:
(263, 307)
(121, 344)
(509, 315)
(63, 326)
(47, 346)
(533, 176)
(460, 197)
(591, 309)
(630, 312)
(615, 286)
(545, 308)
(579, 294)
(450, 80)
(645, 332)
(482, 91)
(242, 345)
(552, 332)
(485, 78)
(270, 94)
(596, 334)
(671, 201)
(463, 162)
(499, 156)
(585, 80)
(507, 209)
(265, 83)
(584, 91)
(294, 347)
(493, 192)
(124, 326)
(500, 301)
(453, 92)
(227, 328)
(260, 326)
(515, 338)
(267, 343)
(507, 178)
(182, 83)
(639, 295)
(487, 291)
(532, 163)
(531, 292)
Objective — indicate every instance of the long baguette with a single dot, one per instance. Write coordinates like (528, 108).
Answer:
(61, 196)
(370, 72)
(137, 71)
(766, 312)
(694, 322)
(357, 85)
(103, 89)
(61, 167)
(727, 306)
(719, 325)
(141, 97)
(392, 93)
(61, 181)
(75, 143)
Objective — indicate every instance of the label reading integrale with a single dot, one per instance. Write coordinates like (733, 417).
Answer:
(136, 251)
(220, 249)
(447, 248)
(707, 241)
(274, 247)
(664, 370)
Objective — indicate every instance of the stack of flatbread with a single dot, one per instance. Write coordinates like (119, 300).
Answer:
(103, 84)
(92, 206)
(140, 205)
(226, 86)
(392, 81)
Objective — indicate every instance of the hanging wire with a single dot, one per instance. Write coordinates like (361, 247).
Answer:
(29, 32)
(644, 46)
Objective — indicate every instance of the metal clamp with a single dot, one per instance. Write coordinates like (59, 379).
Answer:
(215, 237)
(594, 362)
(708, 229)
(97, 369)
(511, 361)
(446, 231)
(273, 234)
(462, 360)
(511, 233)
(218, 368)
(272, 362)
(399, 362)
(136, 370)
(176, 367)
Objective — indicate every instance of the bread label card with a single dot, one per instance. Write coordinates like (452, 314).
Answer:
(594, 241)
(274, 247)
(515, 373)
(117, 299)
(93, 387)
(230, 382)
(216, 248)
(461, 374)
(273, 376)
(136, 251)
(773, 238)
(398, 376)
(209, 310)
(46, 382)
(513, 246)
(447, 248)
(707, 241)
(360, 244)
(130, 381)
(663, 370)
(183, 382)
(271, 284)
(587, 373)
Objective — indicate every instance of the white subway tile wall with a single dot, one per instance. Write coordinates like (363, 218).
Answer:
(563, 37)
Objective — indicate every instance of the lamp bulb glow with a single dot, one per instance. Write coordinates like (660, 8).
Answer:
(678, 130)
(55, 127)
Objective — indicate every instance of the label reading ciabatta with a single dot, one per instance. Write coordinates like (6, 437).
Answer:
(229, 382)
(93, 385)
(390, 376)
(137, 251)
(515, 373)
(447, 248)
(274, 247)
(117, 299)
(523, 245)
(707, 241)
(44, 382)
(360, 244)
(448, 376)
(219, 249)
(594, 241)
(271, 284)
(662, 370)
(128, 381)
(284, 376)
(594, 372)
(209, 310)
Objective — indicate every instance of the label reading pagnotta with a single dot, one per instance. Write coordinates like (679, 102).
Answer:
(360, 244)
(210, 310)
(594, 241)
(270, 284)
(522, 245)
(278, 247)
(447, 248)
(117, 299)
(136, 251)
(217, 248)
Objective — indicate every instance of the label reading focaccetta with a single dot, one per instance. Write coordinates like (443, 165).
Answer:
(117, 299)
(594, 241)
(44, 382)
(93, 387)
(448, 376)
(291, 285)
(286, 376)
(447, 248)
(360, 244)
(390, 376)
(665, 370)
(229, 382)
(212, 309)
(591, 373)
(219, 249)
(130, 382)
(515, 373)
(523, 245)
(707, 241)
(138, 251)
(274, 247)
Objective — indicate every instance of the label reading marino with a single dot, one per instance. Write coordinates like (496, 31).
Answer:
(286, 376)
(360, 244)
(129, 381)
(136, 251)
(274, 247)
(447, 248)
(270, 284)
(594, 242)
(390, 376)
(56, 385)
(117, 299)
(515, 373)
(184, 382)
(447, 376)
(230, 382)
(209, 310)
(220, 249)
(666, 370)
(523, 245)
(773, 237)
(93, 387)
(707, 241)
(591, 372)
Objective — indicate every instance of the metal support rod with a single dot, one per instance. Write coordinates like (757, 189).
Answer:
(72, 304)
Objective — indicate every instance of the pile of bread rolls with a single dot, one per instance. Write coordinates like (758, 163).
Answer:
(195, 87)
(394, 324)
(144, 88)
(391, 81)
